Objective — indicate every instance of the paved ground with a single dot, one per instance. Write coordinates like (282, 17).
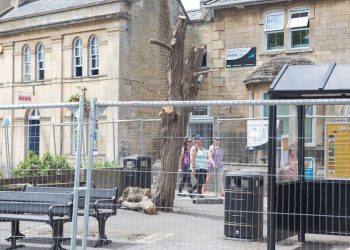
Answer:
(190, 226)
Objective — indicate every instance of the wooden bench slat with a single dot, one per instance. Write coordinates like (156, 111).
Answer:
(34, 197)
(32, 218)
(31, 208)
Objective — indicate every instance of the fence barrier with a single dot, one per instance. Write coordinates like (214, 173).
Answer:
(282, 185)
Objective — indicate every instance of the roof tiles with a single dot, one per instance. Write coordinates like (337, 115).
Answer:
(43, 6)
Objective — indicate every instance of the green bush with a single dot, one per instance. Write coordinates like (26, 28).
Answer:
(34, 165)
(103, 164)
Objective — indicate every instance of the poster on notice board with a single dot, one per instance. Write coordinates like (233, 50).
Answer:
(337, 150)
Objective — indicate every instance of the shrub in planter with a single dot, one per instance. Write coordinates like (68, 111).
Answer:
(34, 165)
(103, 164)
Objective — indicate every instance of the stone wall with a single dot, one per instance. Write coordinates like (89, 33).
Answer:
(244, 28)
(130, 68)
(144, 76)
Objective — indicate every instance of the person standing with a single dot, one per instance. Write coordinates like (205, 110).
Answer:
(289, 172)
(215, 165)
(199, 162)
(184, 166)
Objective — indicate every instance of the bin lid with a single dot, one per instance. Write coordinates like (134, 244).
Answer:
(137, 157)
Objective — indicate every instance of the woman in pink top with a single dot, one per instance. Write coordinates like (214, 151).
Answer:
(215, 165)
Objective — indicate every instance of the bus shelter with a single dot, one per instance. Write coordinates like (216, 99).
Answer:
(298, 202)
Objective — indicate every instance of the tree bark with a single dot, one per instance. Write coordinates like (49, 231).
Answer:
(183, 86)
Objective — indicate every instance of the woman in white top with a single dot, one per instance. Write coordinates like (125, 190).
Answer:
(199, 162)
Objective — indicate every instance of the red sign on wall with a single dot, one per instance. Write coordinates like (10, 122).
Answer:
(24, 98)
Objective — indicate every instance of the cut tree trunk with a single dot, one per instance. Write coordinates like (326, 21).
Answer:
(135, 198)
(183, 86)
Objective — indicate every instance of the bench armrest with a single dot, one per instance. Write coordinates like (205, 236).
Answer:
(113, 206)
(52, 213)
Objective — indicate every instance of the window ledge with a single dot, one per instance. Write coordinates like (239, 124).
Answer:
(272, 52)
(299, 50)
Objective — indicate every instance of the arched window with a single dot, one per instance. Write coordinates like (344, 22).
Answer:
(40, 62)
(77, 58)
(26, 59)
(94, 56)
(34, 131)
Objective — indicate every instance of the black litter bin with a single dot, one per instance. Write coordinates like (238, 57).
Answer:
(244, 199)
(137, 171)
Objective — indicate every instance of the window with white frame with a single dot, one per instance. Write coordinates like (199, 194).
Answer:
(26, 61)
(298, 25)
(310, 126)
(77, 58)
(283, 116)
(40, 62)
(94, 56)
(274, 30)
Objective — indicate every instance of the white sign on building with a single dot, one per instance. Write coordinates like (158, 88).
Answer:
(257, 132)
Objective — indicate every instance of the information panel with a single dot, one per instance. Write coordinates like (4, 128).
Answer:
(257, 132)
(240, 57)
(337, 151)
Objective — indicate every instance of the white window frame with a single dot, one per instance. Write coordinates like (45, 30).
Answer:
(94, 56)
(313, 128)
(273, 30)
(26, 64)
(208, 115)
(279, 116)
(202, 120)
(303, 25)
(40, 61)
(77, 54)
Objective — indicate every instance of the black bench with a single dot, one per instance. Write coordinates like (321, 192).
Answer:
(36, 207)
(103, 204)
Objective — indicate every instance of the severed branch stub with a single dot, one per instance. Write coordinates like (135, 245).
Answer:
(204, 72)
(161, 44)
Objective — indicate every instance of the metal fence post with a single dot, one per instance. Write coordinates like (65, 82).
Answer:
(142, 142)
(54, 137)
(77, 173)
(113, 131)
(92, 138)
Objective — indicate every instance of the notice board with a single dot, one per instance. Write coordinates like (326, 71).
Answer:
(337, 151)
(257, 132)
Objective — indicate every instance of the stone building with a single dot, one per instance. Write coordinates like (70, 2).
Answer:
(271, 33)
(51, 50)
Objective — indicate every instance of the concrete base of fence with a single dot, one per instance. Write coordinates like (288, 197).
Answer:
(208, 200)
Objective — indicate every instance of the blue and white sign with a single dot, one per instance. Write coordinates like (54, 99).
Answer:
(240, 57)
(309, 168)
